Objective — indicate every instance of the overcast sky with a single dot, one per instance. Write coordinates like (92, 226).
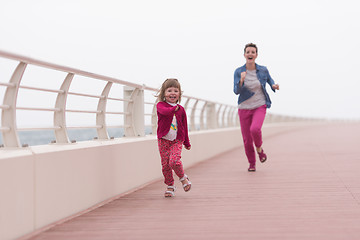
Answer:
(310, 47)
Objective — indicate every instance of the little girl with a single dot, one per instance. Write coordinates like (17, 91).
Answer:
(172, 133)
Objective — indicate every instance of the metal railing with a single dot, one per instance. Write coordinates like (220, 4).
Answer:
(138, 109)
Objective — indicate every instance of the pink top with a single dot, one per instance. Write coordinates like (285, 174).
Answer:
(165, 113)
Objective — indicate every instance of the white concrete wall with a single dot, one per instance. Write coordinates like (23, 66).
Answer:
(41, 185)
(16, 193)
(44, 184)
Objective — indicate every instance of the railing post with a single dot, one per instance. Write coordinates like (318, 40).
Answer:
(234, 119)
(134, 112)
(186, 104)
(192, 117)
(8, 116)
(59, 116)
(154, 119)
(218, 116)
(202, 118)
(101, 117)
(229, 122)
(211, 116)
(223, 117)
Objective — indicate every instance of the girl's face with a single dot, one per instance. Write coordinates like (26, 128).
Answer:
(172, 94)
(250, 54)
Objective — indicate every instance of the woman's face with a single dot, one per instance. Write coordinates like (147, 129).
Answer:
(250, 54)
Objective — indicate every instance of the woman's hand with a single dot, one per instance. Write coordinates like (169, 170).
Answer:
(242, 79)
(275, 86)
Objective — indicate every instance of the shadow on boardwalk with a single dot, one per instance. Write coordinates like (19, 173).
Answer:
(308, 189)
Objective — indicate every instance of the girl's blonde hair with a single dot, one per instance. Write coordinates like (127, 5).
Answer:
(170, 82)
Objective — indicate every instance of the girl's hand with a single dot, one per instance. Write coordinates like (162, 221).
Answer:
(242, 79)
(187, 148)
(177, 108)
(275, 86)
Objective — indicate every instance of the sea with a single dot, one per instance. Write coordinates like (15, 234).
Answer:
(43, 137)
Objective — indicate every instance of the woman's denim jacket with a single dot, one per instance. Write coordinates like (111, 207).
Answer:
(264, 77)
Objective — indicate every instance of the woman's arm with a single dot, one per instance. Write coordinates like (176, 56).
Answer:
(237, 79)
(271, 82)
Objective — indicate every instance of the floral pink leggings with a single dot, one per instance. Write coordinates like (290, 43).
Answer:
(170, 153)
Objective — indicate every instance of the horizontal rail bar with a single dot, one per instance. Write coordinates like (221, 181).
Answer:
(4, 129)
(4, 106)
(124, 113)
(42, 89)
(38, 128)
(115, 126)
(85, 95)
(82, 111)
(38, 109)
(120, 99)
(82, 127)
(7, 84)
(57, 67)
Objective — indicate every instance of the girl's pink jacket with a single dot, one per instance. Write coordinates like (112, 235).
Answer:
(165, 113)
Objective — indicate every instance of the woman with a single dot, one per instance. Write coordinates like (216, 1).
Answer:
(249, 83)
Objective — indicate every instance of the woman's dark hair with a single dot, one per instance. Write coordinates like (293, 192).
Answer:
(250, 45)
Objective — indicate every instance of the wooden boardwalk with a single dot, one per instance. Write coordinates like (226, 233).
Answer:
(308, 189)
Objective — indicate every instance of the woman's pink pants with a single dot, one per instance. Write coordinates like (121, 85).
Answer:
(251, 122)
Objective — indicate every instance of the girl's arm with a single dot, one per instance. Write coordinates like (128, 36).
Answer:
(165, 109)
(186, 141)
